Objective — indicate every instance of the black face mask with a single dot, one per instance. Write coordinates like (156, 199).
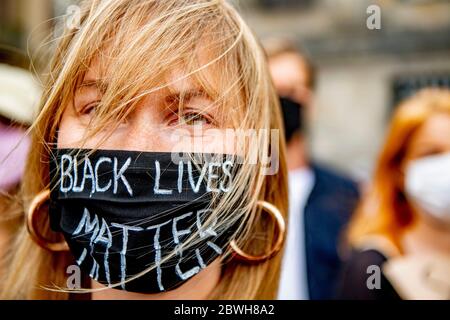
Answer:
(122, 212)
(292, 117)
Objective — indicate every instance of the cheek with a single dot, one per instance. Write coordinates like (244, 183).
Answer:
(69, 131)
(218, 141)
(72, 133)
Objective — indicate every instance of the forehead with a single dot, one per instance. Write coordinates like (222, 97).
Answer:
(200, 74)
(436, 130)
(174, 80)
(178, 77)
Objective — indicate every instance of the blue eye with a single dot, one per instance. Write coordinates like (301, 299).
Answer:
(90, 108)
(194, 119)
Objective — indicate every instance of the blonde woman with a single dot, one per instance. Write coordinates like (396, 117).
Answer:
(138, 150)
(401, 228)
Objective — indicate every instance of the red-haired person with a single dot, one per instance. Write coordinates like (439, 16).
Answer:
(401, 231)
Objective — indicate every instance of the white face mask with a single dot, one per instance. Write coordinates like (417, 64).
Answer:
(427, 186)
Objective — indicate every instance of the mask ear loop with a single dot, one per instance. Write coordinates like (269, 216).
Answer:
(31, 220)
(276, 214)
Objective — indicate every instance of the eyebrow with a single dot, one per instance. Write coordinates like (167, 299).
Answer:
(175, 94)
(93, 83)
(186, 94)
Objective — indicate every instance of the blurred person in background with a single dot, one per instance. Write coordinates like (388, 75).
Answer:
(402, 226)
(321, 200)
(19, 94)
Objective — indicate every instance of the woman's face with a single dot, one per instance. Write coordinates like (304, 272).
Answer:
(155, 125)
(432, 138)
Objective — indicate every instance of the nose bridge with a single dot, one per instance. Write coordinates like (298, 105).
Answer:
(147, 129)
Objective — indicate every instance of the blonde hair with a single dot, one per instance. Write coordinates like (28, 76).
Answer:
(384, 213)
(139, 40)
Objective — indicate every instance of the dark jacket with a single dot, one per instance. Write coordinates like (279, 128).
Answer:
(328, 209)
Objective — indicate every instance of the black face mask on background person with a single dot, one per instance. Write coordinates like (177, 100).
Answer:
(292, 117)
(122, 212)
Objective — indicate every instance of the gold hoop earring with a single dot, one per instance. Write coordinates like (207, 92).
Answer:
(270, 208)
(35, 205)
